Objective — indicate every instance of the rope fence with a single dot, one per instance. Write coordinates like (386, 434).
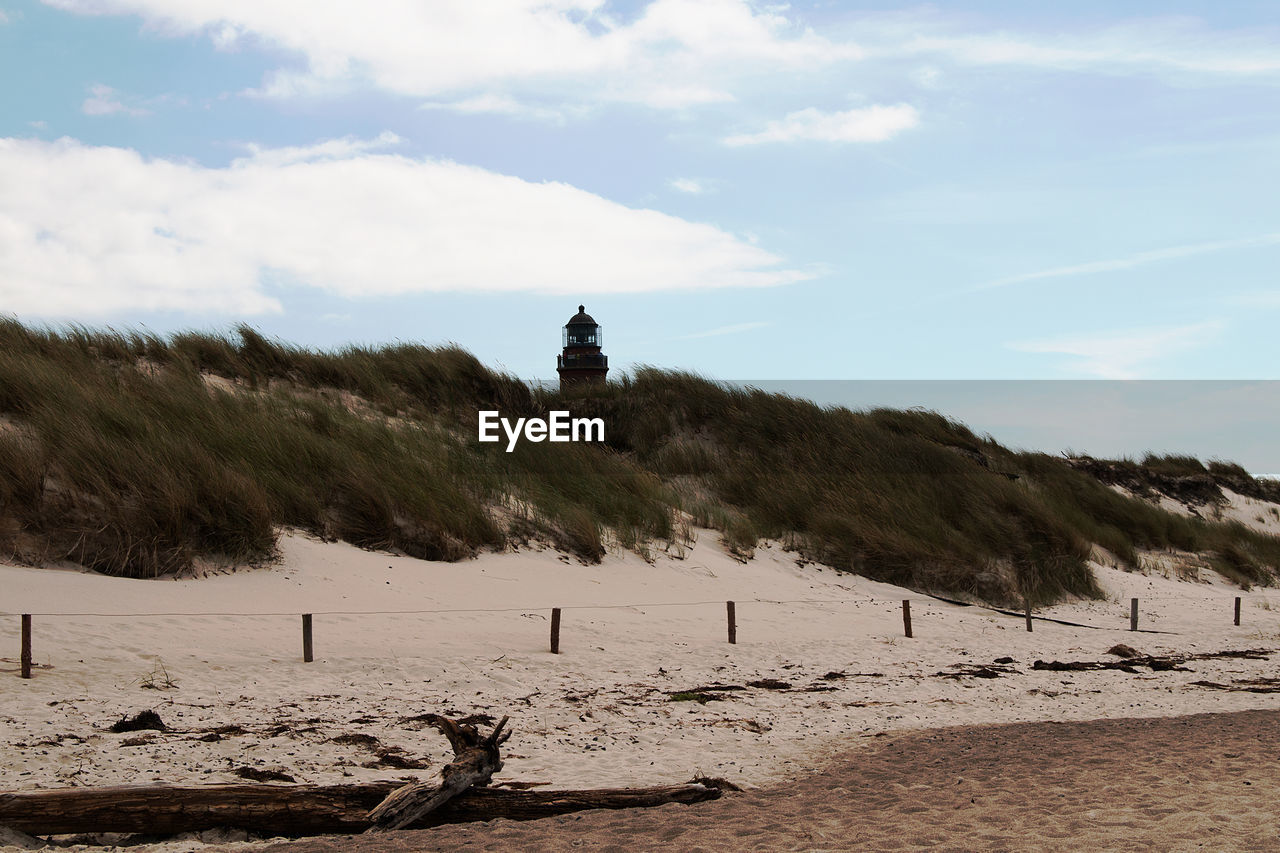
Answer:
(919, 599)
(25, 665)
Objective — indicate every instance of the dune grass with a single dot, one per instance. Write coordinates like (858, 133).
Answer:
(136, 467)
(118, 451)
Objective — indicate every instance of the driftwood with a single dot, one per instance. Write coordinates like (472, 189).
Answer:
(475, 761)
(296, 810)
(977, 670)
(1157, 663)
(1244, 685)
(461, 795)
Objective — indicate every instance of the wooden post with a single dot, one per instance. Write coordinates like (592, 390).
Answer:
(555, 630)
(732, 613)
(26, 645)
(306, 638)
(1027, 602)
(906, 616)
(1133, 614)
(1237, 610)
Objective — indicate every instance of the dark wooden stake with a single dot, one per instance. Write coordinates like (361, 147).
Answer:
(1133, 614)
(26, 645)
(906, 616)
(555, 630)
(1027, 602)
(1237, 610)
(306, 638)
(732, 612)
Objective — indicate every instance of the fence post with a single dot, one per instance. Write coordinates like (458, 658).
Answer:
(26, 645)
(732, 613)
(306, 638)
(1027, 602)
(1133, 614)
(906, 616)
(555, 630)
(1237, 610)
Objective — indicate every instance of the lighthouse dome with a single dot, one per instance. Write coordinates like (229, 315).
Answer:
(582, 318)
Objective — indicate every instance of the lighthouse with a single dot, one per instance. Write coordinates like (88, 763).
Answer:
(581, 362)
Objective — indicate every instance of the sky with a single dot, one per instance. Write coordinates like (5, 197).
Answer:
(833, 190)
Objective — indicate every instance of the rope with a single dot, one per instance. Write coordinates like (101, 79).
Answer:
(718, 602)
(925, 599)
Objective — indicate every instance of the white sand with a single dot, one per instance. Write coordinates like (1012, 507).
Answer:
(1259, 515)
(1263, 516)
(596, 715)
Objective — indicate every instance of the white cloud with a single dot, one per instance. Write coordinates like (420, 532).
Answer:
(1136, 260)
(687, 185)
(867, 124)
(495, 104)
(1150, 46)
(926, 77)
(1257, 299)
(673, 54)
(90, 231)
(4, 19)
(1124, 354)
(1165, 46)
(105, 101)
(331, 149)
(726, 330)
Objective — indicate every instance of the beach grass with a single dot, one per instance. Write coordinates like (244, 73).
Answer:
(137, 455)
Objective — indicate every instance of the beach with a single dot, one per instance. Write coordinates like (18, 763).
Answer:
(646, 689)
(1202, 782)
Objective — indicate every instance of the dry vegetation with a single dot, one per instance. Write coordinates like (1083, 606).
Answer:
(118, 452)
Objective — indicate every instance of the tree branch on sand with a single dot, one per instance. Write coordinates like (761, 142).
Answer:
(476, 760)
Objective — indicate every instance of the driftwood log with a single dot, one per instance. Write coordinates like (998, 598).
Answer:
(459, 796)
(475, 761)
(296, 810)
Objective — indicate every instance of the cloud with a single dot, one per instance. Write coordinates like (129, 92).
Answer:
(868, 124)
(687, 185)
(1161, 46)
(495, 104)
(103, 101)
(1124, 354)
(725, 330)
(92, 231)
(1257, 299)
(1136, 260)
(926, 77)
(331, 149)
(672, 54)
(1150, 46)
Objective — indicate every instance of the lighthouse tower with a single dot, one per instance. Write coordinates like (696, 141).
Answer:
(581, 362)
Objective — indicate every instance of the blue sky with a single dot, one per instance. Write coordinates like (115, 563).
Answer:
(834, 190)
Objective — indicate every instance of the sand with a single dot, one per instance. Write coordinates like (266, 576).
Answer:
(1187, 783)
(599, 714)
